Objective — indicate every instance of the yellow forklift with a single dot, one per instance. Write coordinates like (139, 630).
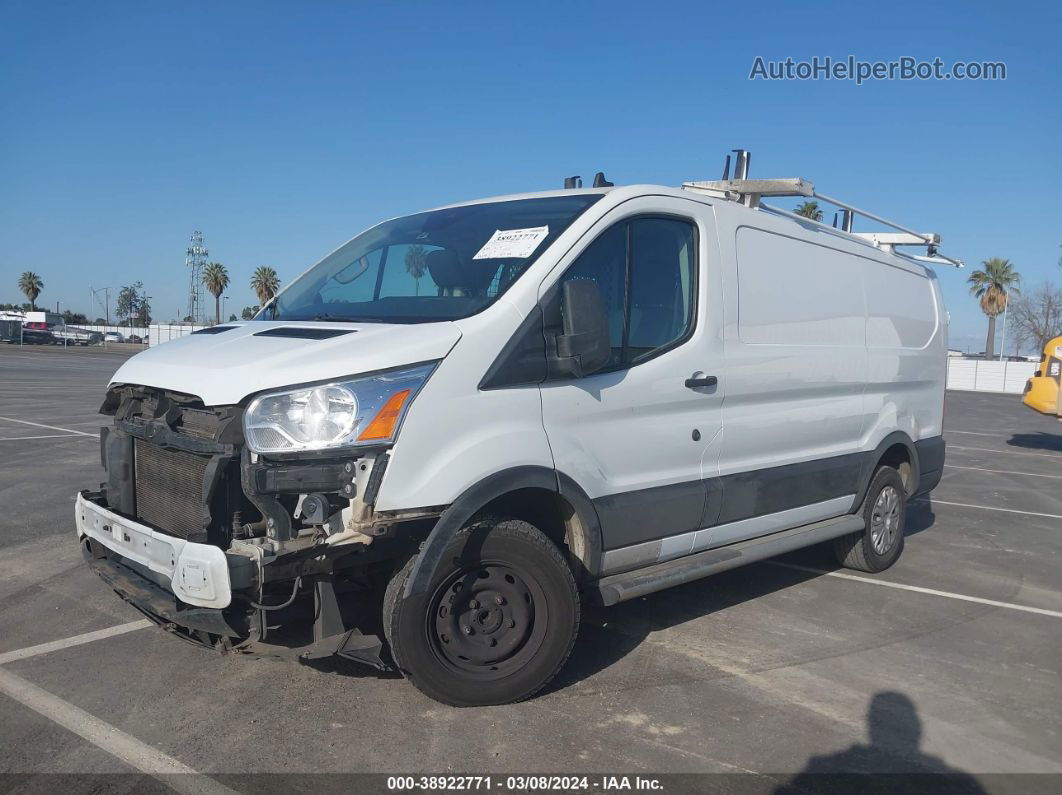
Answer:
(1043, 392)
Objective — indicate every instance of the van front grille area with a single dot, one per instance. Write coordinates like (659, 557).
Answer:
(169, 488)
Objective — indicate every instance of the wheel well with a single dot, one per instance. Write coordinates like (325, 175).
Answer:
(899, 458)
(553, 515)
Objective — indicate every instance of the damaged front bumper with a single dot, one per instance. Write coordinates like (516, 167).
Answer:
(201, 575)
(204, 594)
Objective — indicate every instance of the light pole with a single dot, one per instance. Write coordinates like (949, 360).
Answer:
(1003, 342)
(66, 334)
(224, 309)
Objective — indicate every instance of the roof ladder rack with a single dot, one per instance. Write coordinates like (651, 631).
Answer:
(750, 192)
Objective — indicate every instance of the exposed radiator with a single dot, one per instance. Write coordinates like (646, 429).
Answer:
(169, 488)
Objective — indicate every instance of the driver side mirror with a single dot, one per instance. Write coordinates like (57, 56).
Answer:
(584, 346)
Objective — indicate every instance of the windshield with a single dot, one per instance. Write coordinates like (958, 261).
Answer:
(439, 265)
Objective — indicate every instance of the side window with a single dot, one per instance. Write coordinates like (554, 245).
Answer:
(661, 304)
(605, 262)
(645, 269)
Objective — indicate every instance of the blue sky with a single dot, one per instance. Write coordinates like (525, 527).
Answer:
(282, 129)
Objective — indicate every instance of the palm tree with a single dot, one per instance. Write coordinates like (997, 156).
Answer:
(810, 210)
(416, 263)
(265, 283)
(31, 285)
(993, 285)
(216, 279)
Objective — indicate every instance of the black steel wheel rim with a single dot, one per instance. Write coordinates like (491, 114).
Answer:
(486, 620)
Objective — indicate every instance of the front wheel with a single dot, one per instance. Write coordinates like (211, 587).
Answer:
(885, 515)
(497, 622)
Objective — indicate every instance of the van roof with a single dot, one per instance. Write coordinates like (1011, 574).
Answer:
(623, 192)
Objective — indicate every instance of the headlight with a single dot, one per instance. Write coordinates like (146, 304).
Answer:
(361, 411)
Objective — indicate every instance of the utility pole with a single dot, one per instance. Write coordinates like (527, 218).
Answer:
(106, 306)
(195, 259)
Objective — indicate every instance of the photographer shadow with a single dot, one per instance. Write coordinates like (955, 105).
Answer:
(893, 760)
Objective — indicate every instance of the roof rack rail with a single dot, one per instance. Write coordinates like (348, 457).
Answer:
(750, 192)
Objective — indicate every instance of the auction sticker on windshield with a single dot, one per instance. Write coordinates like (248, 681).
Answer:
(505, 243)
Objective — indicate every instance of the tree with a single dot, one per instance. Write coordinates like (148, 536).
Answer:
(232, 317)
(133, 305)
(1037, 315)
(809, 209)
(74, 318)
(216, 279)
(993, 285)
(249, 312)
(416, 263)
(31, 285)
(143, 312)
(265, 283)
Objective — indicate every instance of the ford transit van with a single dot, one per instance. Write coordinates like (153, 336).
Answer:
(435, 445)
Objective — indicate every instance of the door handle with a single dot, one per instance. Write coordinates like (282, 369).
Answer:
(706, 380)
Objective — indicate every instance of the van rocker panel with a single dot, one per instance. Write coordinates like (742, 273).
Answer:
(640, 582)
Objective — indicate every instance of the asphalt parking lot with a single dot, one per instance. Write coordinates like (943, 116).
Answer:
(949, 661)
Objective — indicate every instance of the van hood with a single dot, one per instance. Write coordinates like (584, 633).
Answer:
(244, 358)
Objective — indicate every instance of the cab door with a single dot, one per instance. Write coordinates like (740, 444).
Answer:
(641, 435)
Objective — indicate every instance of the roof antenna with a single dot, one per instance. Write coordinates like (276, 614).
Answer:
(601, 182)
(726, 169)
(741, 164)
(573, 182)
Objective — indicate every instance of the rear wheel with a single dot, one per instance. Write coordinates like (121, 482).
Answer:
(497, 622)
(885, 517)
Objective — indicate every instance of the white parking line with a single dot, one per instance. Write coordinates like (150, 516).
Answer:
(999, 471)
(76, 640)
(49, 436)
(978, 433)
(133, 752)
(987, 450)
(917, 589)
(49, 427)
(935, 501)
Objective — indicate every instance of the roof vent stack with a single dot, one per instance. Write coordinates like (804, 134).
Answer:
(742, 158)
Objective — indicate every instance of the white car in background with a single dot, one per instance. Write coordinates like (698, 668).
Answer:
(113, 336)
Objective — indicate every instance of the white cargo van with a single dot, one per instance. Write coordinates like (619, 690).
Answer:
(433, 445)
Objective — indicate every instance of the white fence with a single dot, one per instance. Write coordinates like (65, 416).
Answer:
(125, 329)
(154, 334)
(979, 375)
(158, 333)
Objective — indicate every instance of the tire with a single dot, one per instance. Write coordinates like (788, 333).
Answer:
(884, 513)
(497, 621)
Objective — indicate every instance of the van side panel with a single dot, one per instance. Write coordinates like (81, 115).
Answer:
(906, 353)
(795, 354)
